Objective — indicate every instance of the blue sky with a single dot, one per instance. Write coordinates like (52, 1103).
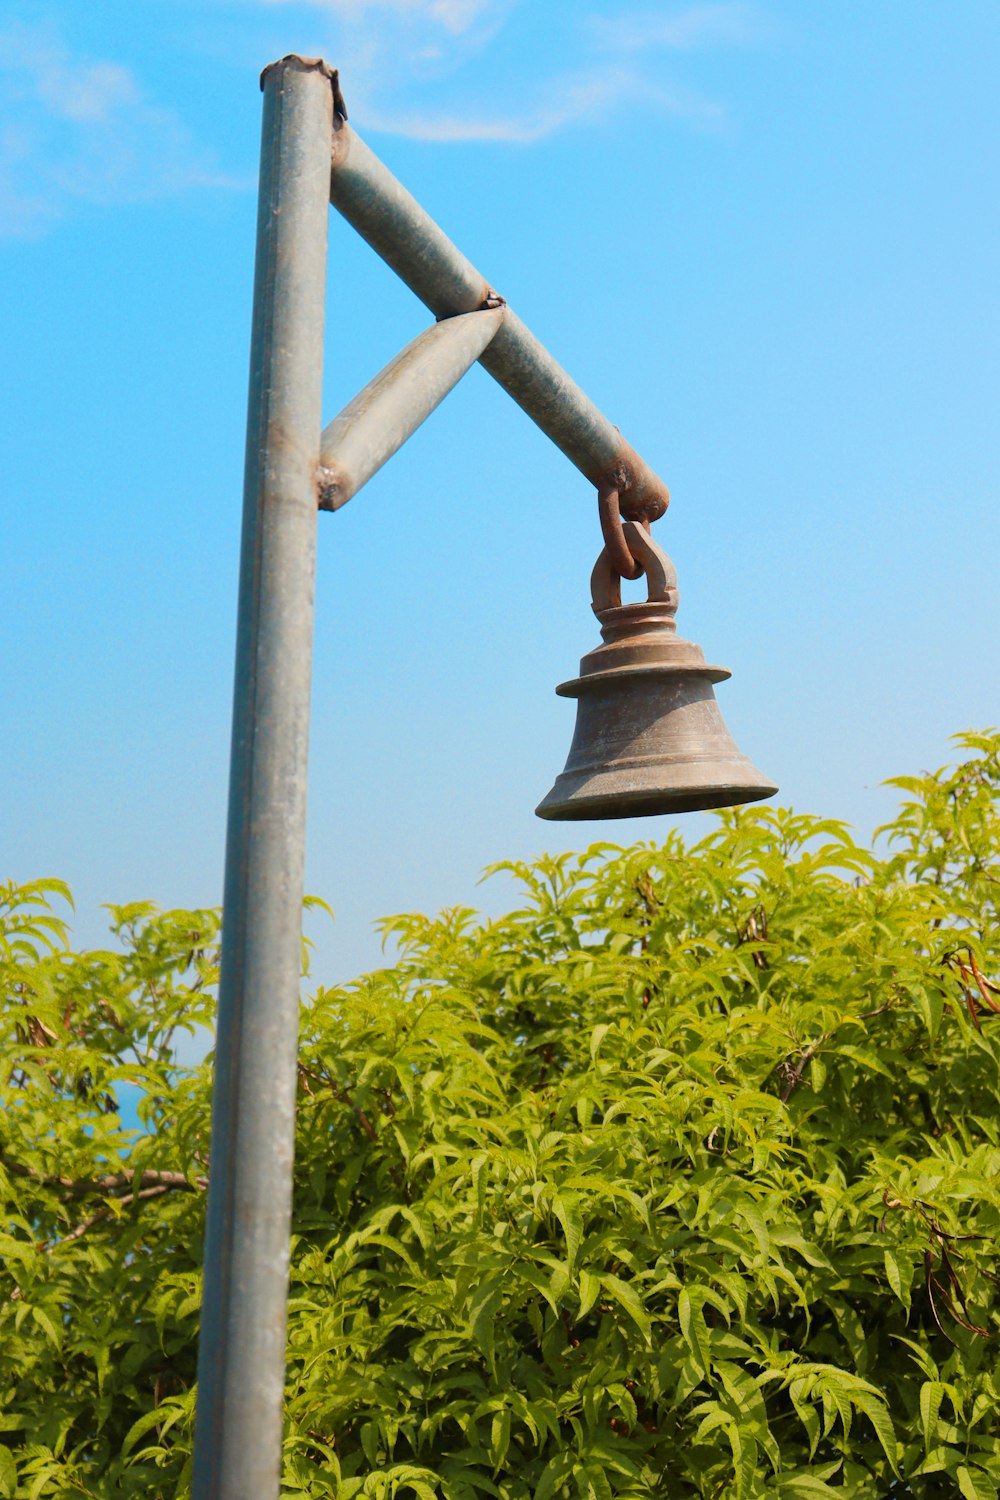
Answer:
(763, 237)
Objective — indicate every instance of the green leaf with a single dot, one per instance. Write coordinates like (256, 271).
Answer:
(140, 1427)
(41, 1317)
(8, 1472)
(930, 1003)
(556, 1470)
(974, 1484)
(804, 1487)
(482, 1313)
(590, 1287)
(499, 1439)
(754, 1221)
(626, 1296)
(877, 1413)
(568, 1214)
(597, 1037)
(693, 1328)
(931, 1393)
(899, 1277)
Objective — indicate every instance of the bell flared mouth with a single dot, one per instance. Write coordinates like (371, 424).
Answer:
(628, 792)
(650, 743)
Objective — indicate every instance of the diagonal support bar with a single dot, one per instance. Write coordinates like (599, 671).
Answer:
(391, 407)
(377, 205)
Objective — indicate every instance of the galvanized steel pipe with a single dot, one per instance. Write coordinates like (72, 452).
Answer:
(241, 1364)
(377, 205)
(391, 407)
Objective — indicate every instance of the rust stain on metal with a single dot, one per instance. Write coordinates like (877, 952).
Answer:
(332, 488)
(340, 140)
(641, 495)
(615, 544)
(339, 107)
(307, 64)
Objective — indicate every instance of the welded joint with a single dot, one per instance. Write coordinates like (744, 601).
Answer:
(490, 303)
(332, 486)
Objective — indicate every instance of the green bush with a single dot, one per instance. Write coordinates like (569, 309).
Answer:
(680, 1181)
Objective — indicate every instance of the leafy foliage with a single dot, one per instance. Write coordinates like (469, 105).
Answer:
(681, 1181)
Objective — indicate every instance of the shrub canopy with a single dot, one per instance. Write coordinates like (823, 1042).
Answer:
(681, 1180)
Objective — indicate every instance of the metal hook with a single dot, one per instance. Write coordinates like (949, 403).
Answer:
(647, 557)
(609, 511)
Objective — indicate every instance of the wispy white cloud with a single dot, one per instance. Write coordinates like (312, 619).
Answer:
(568, 101)
(85, 129)
(458, 19)
(399, 47)
(76, 129)
(726, 23)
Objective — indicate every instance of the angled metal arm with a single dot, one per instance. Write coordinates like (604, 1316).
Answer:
(377, 205)
(391, 407)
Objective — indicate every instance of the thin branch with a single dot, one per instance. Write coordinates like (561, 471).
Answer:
(793, 1075)
(341, 1095)
(113, 1184)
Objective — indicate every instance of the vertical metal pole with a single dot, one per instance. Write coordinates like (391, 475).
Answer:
(242, 1352)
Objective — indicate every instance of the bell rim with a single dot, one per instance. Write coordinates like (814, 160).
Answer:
(657, 802)
(574, 686)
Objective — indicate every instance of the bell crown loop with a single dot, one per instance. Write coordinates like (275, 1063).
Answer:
(648, 557)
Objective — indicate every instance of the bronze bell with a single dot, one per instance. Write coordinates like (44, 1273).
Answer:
(649, 736)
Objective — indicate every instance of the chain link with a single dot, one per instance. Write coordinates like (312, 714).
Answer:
(619, 556)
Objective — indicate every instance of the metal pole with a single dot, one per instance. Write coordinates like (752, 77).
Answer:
(242, 1351)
